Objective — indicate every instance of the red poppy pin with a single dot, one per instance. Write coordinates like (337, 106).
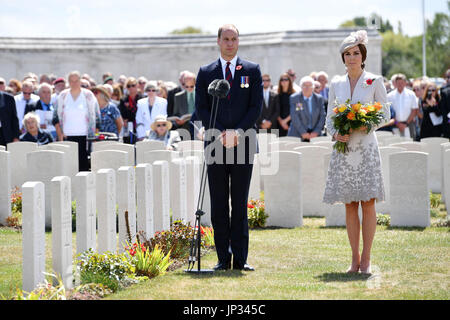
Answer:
(368, 82)
(239, 67)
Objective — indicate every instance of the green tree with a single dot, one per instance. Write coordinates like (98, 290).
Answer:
(188, 30)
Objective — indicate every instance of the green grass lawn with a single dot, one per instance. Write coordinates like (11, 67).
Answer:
(301, 263)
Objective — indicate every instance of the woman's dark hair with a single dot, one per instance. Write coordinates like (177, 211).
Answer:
(290, 87)
(363, 50)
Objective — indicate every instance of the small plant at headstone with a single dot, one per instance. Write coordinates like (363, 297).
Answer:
(148, 263)
(15, 219)
(89, 291)
(435, 200)
(208, 236)
(256, 213)
(383, 219)
(44, 291)
(108, 268)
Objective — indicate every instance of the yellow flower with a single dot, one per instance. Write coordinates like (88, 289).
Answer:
(342, 108)
(363, 112)
(356, 107)
(370, 108)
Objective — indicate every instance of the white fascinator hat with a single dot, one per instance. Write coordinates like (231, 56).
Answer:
(355, 38)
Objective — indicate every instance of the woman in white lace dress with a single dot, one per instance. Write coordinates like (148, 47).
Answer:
(355, 176)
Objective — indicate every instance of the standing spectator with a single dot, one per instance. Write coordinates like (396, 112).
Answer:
(108, 78)
(59, 84)
(142, 81)
(307, 112)
(9, 123)
(44, 108)
(270, 112)
(2, 85)
(116, 95)
(292, 75)
(111, 120)
(45, 78)
(128, 109)
(405, 106)
(77, 117)
(317, 86)
(33, 132)
(148, 109)
(444, 105)
(285, 89)
(24, 99)
(171, 93)
(432, 116)
(16, 86)
(322, 77)
(184, 102)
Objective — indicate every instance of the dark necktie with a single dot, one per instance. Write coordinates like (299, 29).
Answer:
(228, 77)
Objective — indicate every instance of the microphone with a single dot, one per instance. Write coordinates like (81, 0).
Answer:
(212, 87)
(222, 88)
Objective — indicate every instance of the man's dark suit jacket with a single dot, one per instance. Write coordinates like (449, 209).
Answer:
(270, 112)
(180, 108)
(171, 98)
(239, 111)
(444, 106)
(300, 114)
(8, 118)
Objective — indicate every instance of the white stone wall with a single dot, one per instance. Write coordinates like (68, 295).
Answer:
(164, 57)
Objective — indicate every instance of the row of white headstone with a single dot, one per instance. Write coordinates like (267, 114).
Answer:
(409, 170)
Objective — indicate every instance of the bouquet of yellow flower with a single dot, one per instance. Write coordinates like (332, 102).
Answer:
(350, 117)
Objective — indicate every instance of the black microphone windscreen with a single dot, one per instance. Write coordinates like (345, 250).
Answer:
(222, 88)
(212, 87)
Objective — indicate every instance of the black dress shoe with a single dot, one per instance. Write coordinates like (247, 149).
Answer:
(245, 267)
(222, 266)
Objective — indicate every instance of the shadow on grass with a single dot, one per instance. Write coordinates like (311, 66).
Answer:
(406, 228)
(342, 277)
(216, 274)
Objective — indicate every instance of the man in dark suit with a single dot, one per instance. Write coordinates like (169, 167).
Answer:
(268, 118)
(444, 106)
(171, 94)
(9, 123)
(184, 102)
(236, 113)
(307, 112)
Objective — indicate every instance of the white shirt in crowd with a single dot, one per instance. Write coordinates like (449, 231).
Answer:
(144, 118)
(75, 116)
(403, 103)
(20, 105)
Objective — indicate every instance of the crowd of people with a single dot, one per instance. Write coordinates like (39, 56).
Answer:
(50, 108)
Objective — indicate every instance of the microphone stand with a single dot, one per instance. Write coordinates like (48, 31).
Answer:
(196, 242)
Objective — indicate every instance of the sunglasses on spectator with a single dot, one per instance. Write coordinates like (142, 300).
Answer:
(26, 93)
(160, 125)
(416, 89)
(152, 90)
(266, 80)
(284, 79)
(291, 74)
(189, 87)
(131, 85)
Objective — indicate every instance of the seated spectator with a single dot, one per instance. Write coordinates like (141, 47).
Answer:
(148, 108)
(160, 131)
(432, 122)
(44, 108)
(33, 132)
(111, 120)
(307, 112)
(24, 99)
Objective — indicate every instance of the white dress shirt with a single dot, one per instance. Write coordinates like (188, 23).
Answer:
(232, 65)
(20, 106)
(403, 103)
(144, 118)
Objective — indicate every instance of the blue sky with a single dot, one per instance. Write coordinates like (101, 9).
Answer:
(141, 18)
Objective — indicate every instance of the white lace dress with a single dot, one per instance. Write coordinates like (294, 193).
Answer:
(356, 175)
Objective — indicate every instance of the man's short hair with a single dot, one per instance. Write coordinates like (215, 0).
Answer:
(307, 79)
(322, 73)
(227, 27)
(400, 76)
(44, 85)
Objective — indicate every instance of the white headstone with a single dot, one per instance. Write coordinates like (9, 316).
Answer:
(446, 164)
(144, 194)
(97, 146)
(313, 179)
(327, 144)
(178, 189)
(190, 145)
(321, 139)
(44, 166)
(291, 146)
(335, 214)
(409, 193)
(85, 196)
(108, 159)
(193, 187)
(255, 182)
(106, 209)
(385, 152)
(161, 190)
(73, 155)
(433, 148)
(147, 145)
(5, 186)
(160, 155)
(68, 160)
(289, 139)
(410, 146)
(62, 229)
(445, 184)
(19, 151)
(283, 192)
(396, 139)
(2, 148)
(128, 148)
(126, 200)
(33, 235)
